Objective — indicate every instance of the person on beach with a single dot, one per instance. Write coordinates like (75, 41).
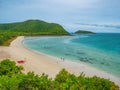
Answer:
(63, 59)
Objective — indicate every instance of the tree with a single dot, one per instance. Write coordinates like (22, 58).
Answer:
(11, 78)
(8, 67)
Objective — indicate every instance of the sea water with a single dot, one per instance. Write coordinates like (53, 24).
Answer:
(100, 50)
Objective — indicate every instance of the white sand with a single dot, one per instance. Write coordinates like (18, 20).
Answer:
(50, 65)
(4, 52)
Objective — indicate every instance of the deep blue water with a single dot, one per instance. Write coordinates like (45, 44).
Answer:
(108, 42)
(99, 50)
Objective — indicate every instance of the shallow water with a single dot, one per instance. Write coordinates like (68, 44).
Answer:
(99, 50)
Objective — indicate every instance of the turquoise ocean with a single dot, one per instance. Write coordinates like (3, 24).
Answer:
(101, 50)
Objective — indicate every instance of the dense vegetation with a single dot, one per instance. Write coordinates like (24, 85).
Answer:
(29, 28)
(5, 39)
(83, 32)
(11, 78)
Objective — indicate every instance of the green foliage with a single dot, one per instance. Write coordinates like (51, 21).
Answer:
(6, 38)
(35, 82)
(34, 27)
(8, 67)
(9, 83)
(29, 28)
(83, 32)
(67, 81)
(63, 81)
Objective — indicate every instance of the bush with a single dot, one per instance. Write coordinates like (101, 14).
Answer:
(12, 78)
(8, 67)
(34, 82)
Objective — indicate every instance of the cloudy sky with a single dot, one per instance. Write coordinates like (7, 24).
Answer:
(93, 15)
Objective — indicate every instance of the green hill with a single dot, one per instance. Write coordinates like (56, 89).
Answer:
(10, 31)
(83, 32)
(34, 27)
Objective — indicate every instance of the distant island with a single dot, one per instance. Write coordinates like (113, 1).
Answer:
(84, 32)
(9, 31)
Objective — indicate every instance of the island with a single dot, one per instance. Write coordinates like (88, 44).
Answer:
(9, 31)
(84, 32)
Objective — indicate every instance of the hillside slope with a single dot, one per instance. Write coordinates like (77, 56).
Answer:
(10, 31)
(34, 27)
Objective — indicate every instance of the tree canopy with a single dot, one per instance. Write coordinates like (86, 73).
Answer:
(12, 78)
(34, 27)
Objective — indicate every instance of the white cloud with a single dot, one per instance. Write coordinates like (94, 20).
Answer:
(77, 3)
(65, 12)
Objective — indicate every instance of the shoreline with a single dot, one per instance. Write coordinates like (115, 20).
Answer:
(43, 63)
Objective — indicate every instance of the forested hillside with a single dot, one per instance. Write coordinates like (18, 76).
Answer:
(29, 28)
(34, 27)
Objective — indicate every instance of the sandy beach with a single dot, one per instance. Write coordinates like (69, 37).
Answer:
(42, 63)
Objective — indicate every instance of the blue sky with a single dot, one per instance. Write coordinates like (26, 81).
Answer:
(93, 15)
